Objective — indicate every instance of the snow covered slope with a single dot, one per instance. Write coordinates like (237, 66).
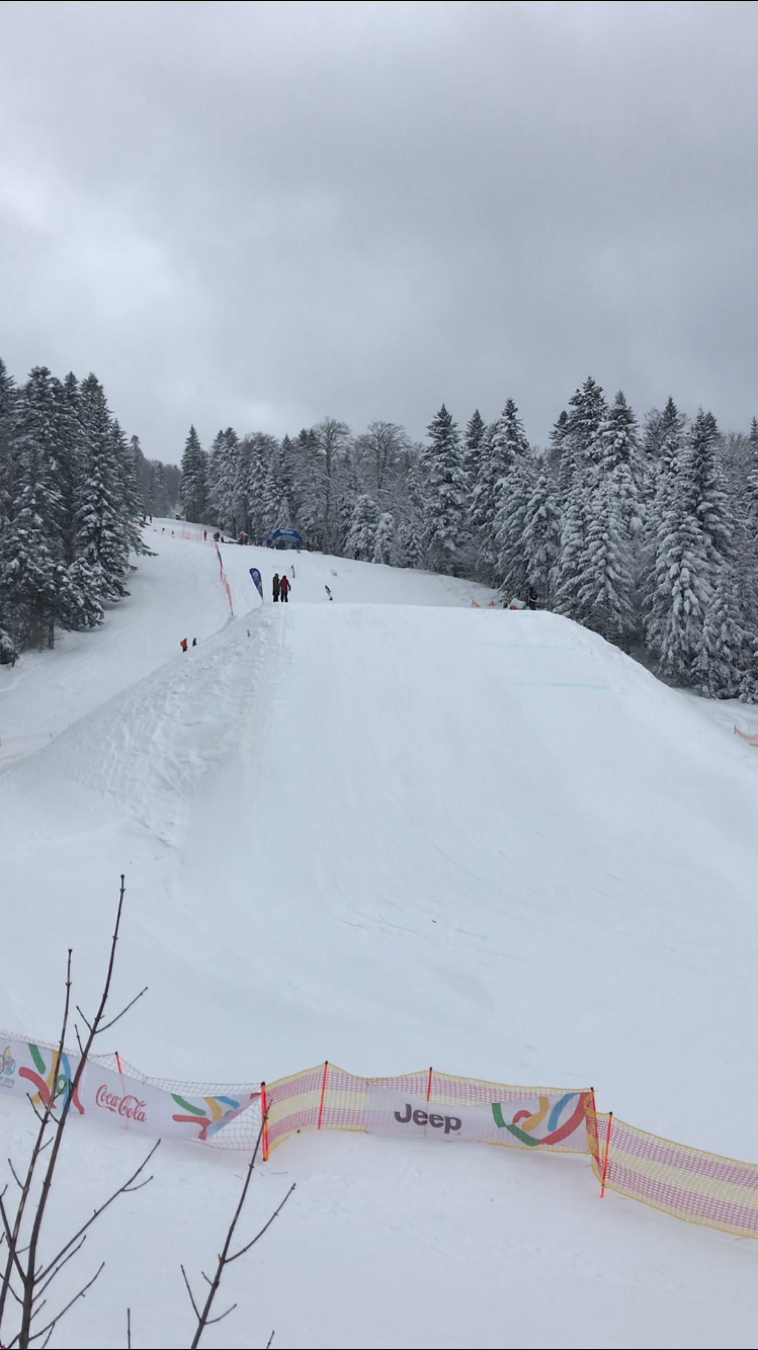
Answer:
(393, 831)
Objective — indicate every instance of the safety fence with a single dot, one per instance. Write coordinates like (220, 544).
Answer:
(224, 580)
(179, 532)
(224, 1115)
(702, 1188)
(198, 538)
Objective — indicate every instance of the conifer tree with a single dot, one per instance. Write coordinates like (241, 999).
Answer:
(500, 446)
(31, 559)
(193, 485)
(692, 613)
(581, 452)
(384, 540)
(514, 490)
(361, 539)
(542, 536)
(475, 431)
(103, 537)
(444, 486)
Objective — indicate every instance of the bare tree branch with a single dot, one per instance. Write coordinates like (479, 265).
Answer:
(118, 1016)
(13, 1174)
(259, 1235)
(81, 1294)
(204, 1318)
(212, 1320)
(47, 1279)
(127, 1186)
(195, 1308)
(58, 1098)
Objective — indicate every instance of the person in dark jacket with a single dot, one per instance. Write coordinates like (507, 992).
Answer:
(532, 598)
(276, 586)
(285, 589)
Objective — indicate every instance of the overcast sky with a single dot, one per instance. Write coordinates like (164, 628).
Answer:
(260, 214)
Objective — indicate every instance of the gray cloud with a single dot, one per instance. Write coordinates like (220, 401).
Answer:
(258, 214)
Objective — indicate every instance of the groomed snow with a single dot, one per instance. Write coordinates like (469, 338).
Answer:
(392, 830)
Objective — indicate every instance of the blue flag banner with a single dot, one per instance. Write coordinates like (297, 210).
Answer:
(255, 574)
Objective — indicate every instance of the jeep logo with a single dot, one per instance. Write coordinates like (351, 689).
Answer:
(449, 1124)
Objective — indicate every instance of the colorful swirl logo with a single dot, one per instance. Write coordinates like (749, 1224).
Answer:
(525, 1125)
(217, 1113)
(50, 1084)
(7, 1062)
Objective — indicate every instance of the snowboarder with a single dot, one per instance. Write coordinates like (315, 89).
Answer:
(326, 588)
(194, 642)
(284, 588)
(184, 644)
(275, 585)
(531, 598)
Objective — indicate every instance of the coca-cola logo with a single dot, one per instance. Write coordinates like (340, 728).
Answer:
(130, 1107)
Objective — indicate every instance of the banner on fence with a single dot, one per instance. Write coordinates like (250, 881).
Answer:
(112, 1091)
(413, 1105)
(699, 1187)
(529, 1122)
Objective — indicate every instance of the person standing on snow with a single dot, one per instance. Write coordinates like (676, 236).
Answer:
(184, 644)
(285, 589)
(275, 585)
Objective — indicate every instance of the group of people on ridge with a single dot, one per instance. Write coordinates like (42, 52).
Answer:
(281, 588)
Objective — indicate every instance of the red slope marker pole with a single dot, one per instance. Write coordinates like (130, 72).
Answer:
(323, 1094)
(429, 1085)
(605, 1155)
(264, 1123)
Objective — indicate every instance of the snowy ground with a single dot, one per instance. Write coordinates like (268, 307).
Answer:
(393, 830)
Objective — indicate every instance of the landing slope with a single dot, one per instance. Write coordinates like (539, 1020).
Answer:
(395, 834)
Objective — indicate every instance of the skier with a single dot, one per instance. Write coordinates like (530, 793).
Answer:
(531, 598)
(275, 585)
(184, 644)
(194, 642)
(326, 588)
(285, 589)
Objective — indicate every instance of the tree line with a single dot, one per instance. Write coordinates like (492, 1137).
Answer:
(72, 490)
(646, 533)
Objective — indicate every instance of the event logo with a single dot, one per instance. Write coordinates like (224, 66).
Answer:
(51, 1085)
(7, 1068)
(131, 1108)
(218, 1112)
(525, 1125)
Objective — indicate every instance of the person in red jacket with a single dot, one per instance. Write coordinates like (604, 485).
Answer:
(284, 589)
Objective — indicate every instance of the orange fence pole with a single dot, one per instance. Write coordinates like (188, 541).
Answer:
(429, 1085)
(605, 1155)
(323, 1094)
(264, 1123)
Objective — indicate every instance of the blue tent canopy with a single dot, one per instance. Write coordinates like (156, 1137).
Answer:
(284, 534)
